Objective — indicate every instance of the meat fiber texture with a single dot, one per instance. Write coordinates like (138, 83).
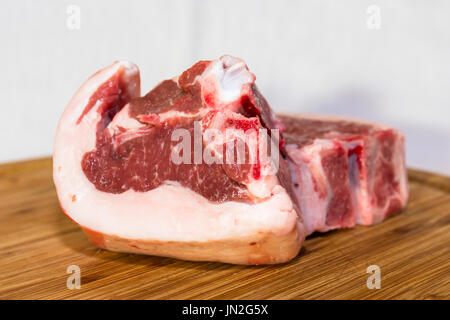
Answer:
(345, 171)
(115, 177)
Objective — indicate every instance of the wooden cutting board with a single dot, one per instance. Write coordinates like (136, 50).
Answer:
(38, 243)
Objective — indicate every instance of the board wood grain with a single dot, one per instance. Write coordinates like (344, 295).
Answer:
(39, 242)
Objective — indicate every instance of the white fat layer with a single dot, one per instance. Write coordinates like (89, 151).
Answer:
(179, 114)
(172, 212)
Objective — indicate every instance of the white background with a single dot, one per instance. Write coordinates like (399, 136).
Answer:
(309, 56)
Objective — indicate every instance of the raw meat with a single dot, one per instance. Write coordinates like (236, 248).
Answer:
(152, 174)
(345, 171)
(116, 176)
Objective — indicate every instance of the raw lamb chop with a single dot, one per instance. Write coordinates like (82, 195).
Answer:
(345, 171)
(116, 177)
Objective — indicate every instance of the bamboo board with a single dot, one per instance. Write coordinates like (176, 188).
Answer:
(39, 243)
